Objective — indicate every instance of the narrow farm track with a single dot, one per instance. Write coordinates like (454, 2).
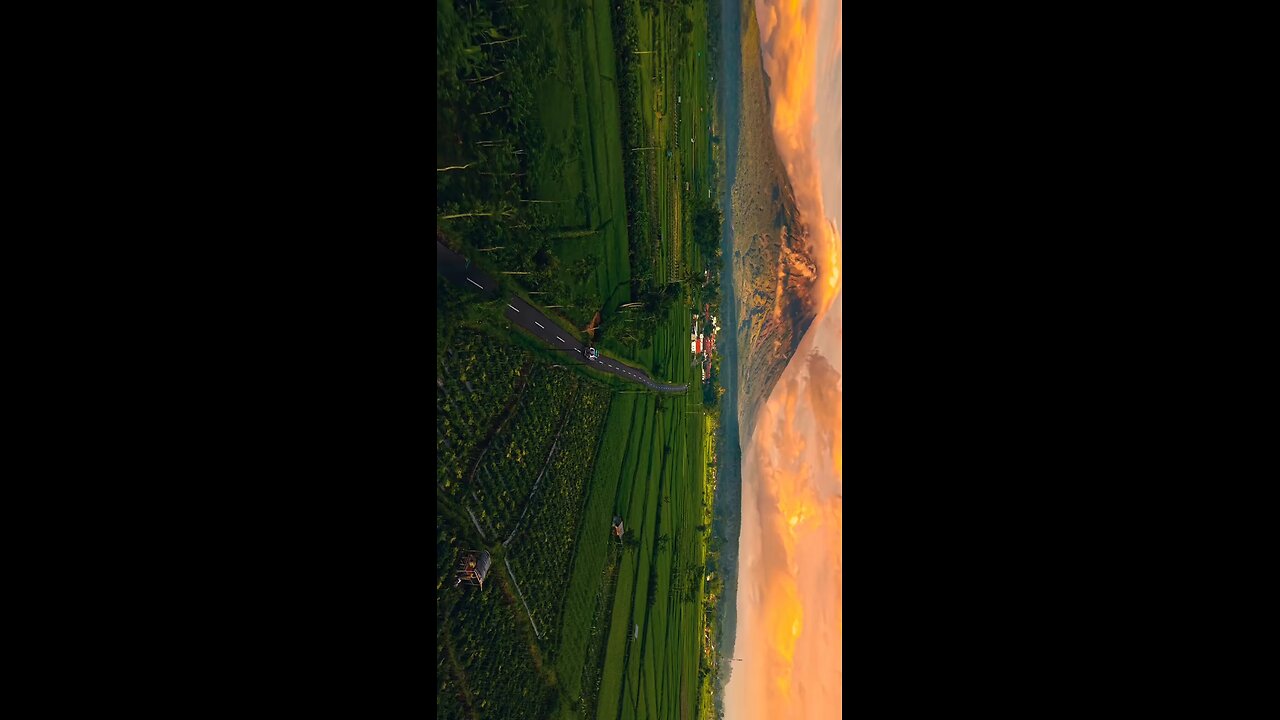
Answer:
(545, 464)
(598, 642)
(507, 413)
(507, 591)
(676, 237)
(467, 699)
(684, 698)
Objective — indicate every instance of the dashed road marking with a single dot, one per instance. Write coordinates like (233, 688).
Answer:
(560, 338)
(535, 322)
(473, 282)
(513, 307)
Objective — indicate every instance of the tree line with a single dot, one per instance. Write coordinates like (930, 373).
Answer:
(626, 43)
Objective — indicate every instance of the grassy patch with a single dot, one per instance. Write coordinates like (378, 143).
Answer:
(544, 457)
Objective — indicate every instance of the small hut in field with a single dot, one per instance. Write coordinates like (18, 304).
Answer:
(617, 526)
(473, 566)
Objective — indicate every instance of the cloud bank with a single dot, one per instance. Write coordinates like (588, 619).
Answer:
(802, 50)
(790, 573)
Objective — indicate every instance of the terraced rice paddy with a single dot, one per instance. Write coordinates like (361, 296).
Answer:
(534, 460)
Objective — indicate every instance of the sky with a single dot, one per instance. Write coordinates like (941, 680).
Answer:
(790, 574)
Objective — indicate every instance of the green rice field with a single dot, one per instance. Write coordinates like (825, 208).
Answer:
(535, 459)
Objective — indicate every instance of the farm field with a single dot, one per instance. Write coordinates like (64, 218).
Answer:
(662, 495)
(581, 173)
(521, 498)
(566, 455)
(530, 176)
(540, 174)
(676, 113)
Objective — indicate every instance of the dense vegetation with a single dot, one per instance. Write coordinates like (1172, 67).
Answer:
(492, 151)
(484, 111)
(706, 226)
(540, 104)
(516, 440)
(626, 41)
(485, 667)
(475, 381)
(541, 549)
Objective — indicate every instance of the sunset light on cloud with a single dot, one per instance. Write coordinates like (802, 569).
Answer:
(790, 576)
(802, 50)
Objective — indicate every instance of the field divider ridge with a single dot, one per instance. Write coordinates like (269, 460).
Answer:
(520, 592)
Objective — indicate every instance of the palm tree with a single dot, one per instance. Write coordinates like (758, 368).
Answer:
(494, 34)
(456, 167)
(498, 210)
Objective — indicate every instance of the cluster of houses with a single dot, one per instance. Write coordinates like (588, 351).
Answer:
(702, 340)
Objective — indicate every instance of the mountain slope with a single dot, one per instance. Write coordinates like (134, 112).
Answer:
(773, 268)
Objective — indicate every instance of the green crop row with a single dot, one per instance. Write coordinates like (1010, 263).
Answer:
(475, 381)
(517, 455)
(484, 665)
(543, 548)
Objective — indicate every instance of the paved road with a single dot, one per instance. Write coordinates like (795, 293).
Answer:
(454, 267)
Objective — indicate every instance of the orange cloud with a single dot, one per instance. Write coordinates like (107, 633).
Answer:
(789, 33)
(790, 574)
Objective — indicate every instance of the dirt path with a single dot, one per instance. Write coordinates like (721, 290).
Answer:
(676, 257)
(507, 413)
(528, 501)
(534, 652)
(462, 679)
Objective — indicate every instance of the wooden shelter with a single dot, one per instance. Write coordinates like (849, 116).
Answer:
(473, 566)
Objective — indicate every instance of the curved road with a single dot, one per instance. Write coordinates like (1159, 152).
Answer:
(455, 268)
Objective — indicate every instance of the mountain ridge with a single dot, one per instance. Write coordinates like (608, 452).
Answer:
(774, 271)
